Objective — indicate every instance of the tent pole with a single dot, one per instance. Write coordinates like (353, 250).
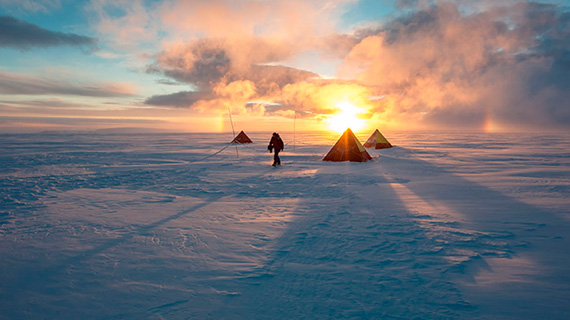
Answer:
(233, 131)
(294, 129)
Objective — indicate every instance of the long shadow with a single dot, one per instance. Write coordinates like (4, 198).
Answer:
(141, 231)
(44, 275)
(41, 278)
(538, 285)
(356, 252)
(361, 252)
(148, 227)
(486, 209)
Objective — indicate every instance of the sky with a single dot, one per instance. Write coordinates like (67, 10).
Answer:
(283, 65)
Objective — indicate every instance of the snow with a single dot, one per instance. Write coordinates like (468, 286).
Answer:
(160, 226)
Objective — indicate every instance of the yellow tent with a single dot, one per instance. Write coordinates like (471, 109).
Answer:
(377, 141)
(348, 148)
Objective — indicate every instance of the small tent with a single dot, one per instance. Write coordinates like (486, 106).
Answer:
(348, 148)
(241, 138)
(377, 141)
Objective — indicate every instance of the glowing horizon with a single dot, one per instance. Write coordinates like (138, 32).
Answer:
(183, 64)
(347, 117)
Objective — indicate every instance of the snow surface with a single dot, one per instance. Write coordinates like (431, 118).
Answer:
(160, 226)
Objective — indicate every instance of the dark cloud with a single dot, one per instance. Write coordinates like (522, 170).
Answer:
(44, 103)
(206, 62)
(18, 84)
(19, 34)
(212, 65)
(183, 99)
(168, 82)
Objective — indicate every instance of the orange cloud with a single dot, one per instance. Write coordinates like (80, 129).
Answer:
(440, 64)
(443, 66)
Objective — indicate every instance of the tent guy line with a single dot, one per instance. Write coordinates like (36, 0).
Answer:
(213, 154)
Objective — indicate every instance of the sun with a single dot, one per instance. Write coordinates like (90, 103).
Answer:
(346, 118)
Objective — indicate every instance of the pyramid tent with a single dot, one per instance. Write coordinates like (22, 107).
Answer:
(241, 138)
(377, 141)
(348, 148)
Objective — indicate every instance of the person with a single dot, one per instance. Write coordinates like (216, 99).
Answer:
(276, 144)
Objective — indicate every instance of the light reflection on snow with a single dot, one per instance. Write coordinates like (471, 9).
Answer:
(138, 224)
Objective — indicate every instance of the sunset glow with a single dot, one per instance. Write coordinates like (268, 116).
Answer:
(170, 63)
(284, 159)
(346, 118)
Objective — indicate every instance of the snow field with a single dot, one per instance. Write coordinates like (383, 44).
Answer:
(144, 227)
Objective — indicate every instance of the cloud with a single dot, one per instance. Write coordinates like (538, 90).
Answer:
(182, 99)
(32, 6)
(44, 103)
(19, 84)
(440, 63)
(205, 61)
(25, 124)
(168, 82)
(442, 66)
(233, 73)
(213, 64)
(300, 20)
(127, 25)
(219, 46)
(108, 55)
(23, 35)
(320, 97)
